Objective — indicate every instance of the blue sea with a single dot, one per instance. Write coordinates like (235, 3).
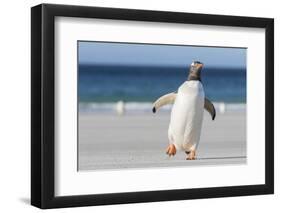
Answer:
(105, 84)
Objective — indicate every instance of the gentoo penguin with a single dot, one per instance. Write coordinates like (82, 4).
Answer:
(187, 113)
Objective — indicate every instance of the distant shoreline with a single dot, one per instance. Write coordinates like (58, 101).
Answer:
(121, 107)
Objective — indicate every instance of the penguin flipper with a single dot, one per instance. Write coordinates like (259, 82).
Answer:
(209, 106)
(164, 100)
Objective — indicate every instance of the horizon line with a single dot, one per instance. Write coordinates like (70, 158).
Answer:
(156, 65)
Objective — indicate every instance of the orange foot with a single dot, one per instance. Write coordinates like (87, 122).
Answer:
(191, 155)
(171, 150)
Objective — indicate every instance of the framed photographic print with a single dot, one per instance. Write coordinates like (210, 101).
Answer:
(139, 106)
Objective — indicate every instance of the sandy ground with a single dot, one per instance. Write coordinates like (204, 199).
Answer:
(139, 141)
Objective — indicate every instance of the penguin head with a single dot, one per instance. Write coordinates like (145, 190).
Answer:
(195, 71)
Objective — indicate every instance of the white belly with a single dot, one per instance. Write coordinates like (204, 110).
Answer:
(187, 115)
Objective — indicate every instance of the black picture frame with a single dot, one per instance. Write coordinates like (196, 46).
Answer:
(43, 102)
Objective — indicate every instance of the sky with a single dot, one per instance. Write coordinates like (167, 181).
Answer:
(131, 54)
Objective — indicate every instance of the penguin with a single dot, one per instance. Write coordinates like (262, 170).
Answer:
(187, 113)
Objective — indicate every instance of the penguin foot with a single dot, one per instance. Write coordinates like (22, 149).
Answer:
(171, 150)
(191, 155)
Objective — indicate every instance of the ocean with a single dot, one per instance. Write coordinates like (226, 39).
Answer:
(101, 86)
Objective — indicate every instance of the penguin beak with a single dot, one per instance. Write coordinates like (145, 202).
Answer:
(199, 66)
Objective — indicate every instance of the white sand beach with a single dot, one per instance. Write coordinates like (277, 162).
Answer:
(108, 141)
